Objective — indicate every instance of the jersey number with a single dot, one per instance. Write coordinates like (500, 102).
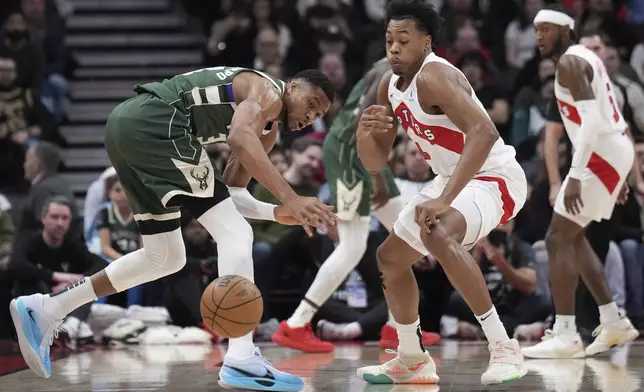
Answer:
(612, 103)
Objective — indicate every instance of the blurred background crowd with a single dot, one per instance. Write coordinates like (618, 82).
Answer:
(65, 63)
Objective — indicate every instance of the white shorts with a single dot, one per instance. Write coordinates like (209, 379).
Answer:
(602, 181)
(492, 198)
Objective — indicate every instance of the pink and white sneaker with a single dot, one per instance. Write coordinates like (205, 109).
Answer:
(398, 371)
(506, 363)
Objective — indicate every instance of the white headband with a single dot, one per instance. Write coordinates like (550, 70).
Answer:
(555, 17)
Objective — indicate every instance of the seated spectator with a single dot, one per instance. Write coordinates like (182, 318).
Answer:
(18, 105)
(47, 33)
(50, 259)
(16, 44)
(266, 49)
(633, 93)
(477, 71)
(520, 38)
(305, 161)
(12, 159)
(119, 232)
(507, 264)
(94, 199)
(530, 120)
(264, 17)
(465, 40)
(41, 169)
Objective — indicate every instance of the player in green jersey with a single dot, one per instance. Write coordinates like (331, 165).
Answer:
(154, 141)
(355, 194)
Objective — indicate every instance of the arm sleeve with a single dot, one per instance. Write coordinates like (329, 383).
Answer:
(250, 207)
(586, 137)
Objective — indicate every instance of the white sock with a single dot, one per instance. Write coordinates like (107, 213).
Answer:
(564, 325)
(410, 341)
(492, 326)
(302, 315)
(345, 257)
(61, 303)
(391, 321)
(241, 348)
(609, 313)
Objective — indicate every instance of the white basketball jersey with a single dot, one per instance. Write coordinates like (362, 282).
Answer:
(435, 135)
(612, 118)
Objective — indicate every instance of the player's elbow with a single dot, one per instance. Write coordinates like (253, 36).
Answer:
(488, 134)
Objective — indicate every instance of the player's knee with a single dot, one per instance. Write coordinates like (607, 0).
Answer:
(169, 258)
(441, 243)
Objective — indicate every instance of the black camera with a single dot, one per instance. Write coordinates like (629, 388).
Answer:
(497, 238)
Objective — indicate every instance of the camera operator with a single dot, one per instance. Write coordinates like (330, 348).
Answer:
(507, 264)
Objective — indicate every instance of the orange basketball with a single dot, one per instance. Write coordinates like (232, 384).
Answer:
(231, 306)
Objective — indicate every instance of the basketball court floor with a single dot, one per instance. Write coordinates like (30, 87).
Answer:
(194, 369)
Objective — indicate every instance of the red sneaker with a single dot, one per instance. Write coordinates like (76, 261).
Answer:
(389, 338)
(301, 338)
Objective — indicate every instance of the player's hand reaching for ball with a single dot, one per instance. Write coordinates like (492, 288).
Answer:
(426, 214)
(308, 211)
(284, 217)
(374, 119)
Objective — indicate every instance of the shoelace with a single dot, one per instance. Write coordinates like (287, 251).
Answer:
(57, 328)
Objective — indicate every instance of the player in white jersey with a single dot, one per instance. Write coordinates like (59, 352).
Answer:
(479, 186)
(601, 161)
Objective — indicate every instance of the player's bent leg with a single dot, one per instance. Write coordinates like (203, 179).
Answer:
(444, 243)
(37, 317)
(296, 332)
(413, 364)
(244, 366)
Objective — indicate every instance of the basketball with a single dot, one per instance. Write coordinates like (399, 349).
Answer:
(231, 306)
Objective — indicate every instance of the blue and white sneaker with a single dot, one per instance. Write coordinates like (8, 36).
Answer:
(256, 374)
(36, 331)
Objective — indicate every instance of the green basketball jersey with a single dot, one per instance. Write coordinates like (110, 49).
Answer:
(206, 95)
(343, 127)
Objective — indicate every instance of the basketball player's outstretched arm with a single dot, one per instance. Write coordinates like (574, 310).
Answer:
(439, 85)
(237, 179)
(576, 74)
(262, 103)
(377, 130)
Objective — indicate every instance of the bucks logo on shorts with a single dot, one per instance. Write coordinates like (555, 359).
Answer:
(201, 173)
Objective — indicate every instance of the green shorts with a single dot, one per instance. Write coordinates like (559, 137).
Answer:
(157, 158)
(349, 182)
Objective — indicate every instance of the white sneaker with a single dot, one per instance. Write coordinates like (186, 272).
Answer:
(553, 346)
(36, 330)
(612, 335)
(397, 372)
(506, 363)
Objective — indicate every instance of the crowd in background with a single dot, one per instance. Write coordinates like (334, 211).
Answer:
(492, 42)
